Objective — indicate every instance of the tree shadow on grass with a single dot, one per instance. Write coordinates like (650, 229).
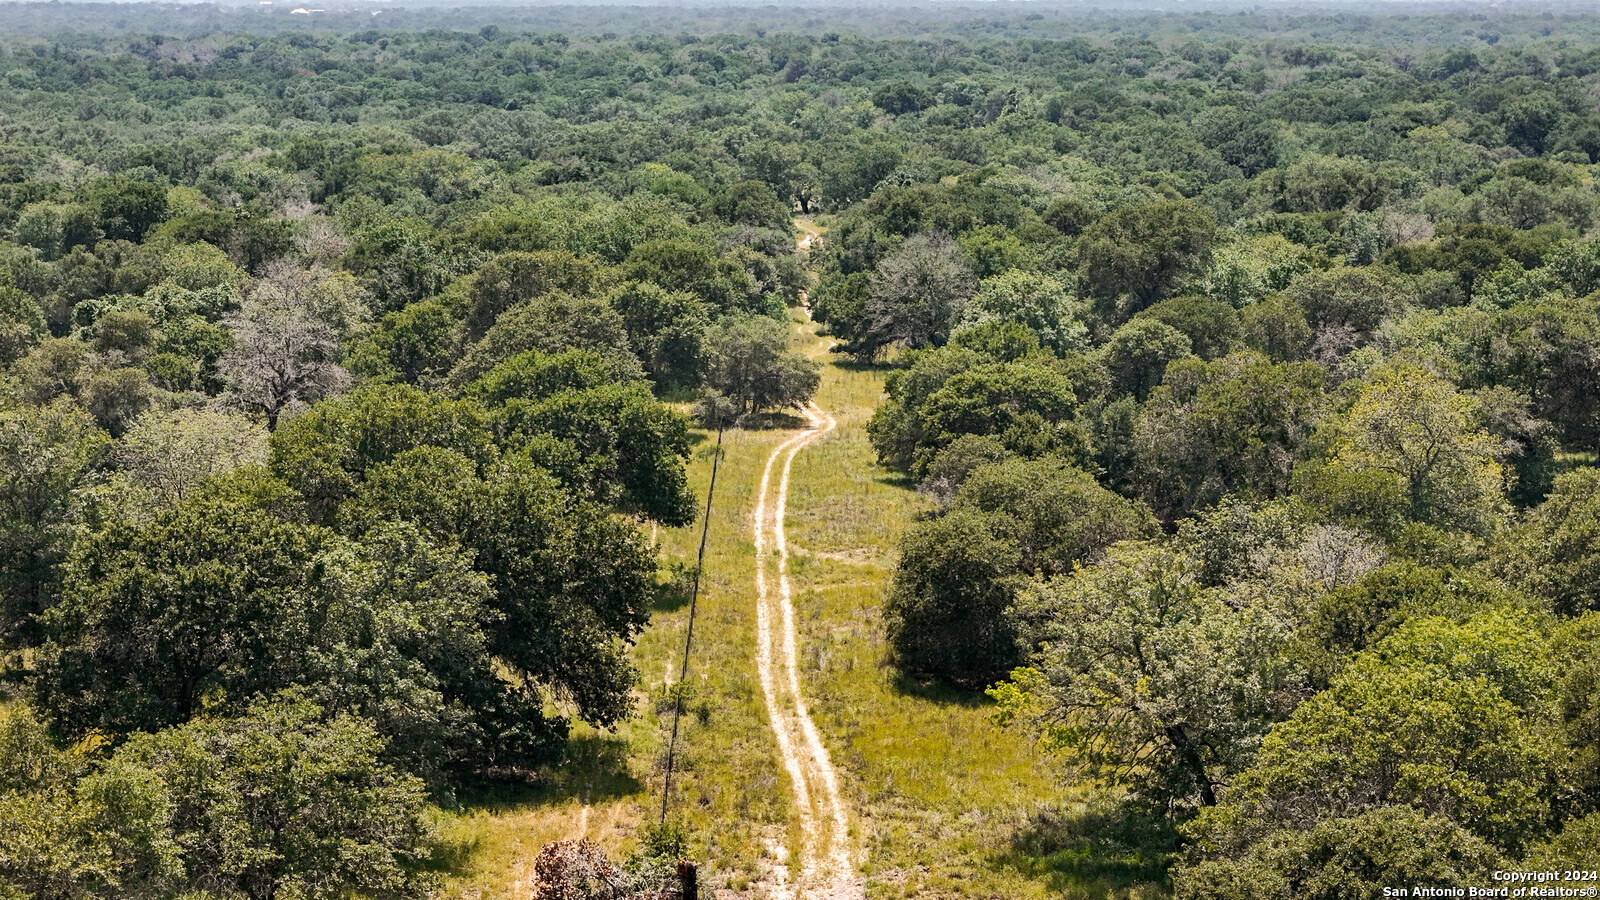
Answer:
(447, 854)
(674, 593)
(677, 393)
(941, 692)
(593, 768)
(850, 364)
(770, 421)
(896, 480)
(1099, 848)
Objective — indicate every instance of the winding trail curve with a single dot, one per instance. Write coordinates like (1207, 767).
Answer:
(827, 868)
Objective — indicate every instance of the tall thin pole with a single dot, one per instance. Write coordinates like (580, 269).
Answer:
(688, 640)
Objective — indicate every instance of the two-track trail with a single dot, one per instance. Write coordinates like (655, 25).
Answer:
(827, 867)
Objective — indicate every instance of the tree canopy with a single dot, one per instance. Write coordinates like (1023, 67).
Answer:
(1245, 366)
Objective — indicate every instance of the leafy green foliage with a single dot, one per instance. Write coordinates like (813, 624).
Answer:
(217, 602)
(629, 449)
(666, 330)
(516, 278)
(283, 801)
(1145, 676)
(158, 622)
(1037, 302)
(1138, 354)
(1139, 255)
(1440, 717)
(948, 611)
(72, 831)
(416, 345)
(749, 364)
(21, 324)
(1211, 326)
(1324, 308)
(1234, 426)
(329, 819)
(1361, 855)
(1413, 432)
(571, 581)
(1027, 404)
(549, 323)
(902, 97)
(48, 455)
(1555, 551)
(324, 454)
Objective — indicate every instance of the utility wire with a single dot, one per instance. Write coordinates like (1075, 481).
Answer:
(688, 640)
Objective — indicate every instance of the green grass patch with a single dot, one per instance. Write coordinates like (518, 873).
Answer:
(944, 803)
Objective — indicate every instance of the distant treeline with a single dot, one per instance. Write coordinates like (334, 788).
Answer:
(1385, 24)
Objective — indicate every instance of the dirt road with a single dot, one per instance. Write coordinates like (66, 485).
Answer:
(827, 867)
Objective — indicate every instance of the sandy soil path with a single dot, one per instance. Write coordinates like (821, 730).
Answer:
(827, 868)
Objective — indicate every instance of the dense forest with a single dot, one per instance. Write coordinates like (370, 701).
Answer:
(1246, 367)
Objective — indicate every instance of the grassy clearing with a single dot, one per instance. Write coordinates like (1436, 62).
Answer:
(816, 225)
(944, 803)
(729, 786)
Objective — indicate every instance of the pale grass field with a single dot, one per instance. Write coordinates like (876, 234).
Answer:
(937, 791)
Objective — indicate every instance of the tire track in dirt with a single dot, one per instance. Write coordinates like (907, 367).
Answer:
(837, 865)
(777, 715)
(826, 868)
